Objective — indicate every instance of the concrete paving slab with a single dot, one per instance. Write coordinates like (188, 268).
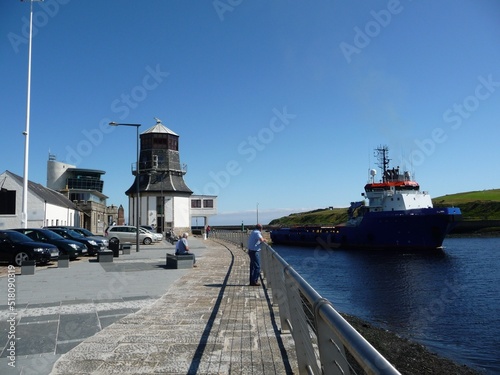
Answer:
(135, 316)
(58, 308)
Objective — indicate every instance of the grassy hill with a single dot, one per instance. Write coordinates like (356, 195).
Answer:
(475, 205)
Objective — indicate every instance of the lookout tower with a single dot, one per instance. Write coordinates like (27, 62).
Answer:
(164, 196)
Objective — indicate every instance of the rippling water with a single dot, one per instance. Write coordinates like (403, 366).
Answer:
(447, 300)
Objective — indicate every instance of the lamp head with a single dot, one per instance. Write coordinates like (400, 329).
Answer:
(113, 123)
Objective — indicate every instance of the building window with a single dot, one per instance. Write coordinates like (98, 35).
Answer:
(208, 203)
(7, 202)
(196, 203)
(159, 205)
(173, 143)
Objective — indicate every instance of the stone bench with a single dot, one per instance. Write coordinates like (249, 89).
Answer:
(125, 247)
(105, 256)
(180, 261)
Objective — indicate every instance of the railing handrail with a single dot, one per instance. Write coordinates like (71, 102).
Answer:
(321, 335)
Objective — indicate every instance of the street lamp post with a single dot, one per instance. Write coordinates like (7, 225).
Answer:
(137, 242)
(26, 133)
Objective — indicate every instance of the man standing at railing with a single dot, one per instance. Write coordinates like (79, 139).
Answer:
(254, 242)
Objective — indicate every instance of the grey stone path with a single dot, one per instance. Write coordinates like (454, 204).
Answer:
(58, 308)
(205, 320)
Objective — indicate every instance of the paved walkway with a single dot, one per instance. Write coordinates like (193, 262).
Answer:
(206, 320)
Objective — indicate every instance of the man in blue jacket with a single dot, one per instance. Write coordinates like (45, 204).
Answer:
(254, 242)
(182, 247)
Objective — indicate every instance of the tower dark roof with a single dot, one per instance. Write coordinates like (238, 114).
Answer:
(161, 182)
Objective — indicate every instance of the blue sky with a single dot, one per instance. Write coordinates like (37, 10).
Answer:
(278, 104)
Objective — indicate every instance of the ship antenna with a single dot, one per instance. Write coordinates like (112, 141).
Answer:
(382, 153)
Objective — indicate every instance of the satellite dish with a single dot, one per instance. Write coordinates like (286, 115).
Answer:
(373, 172)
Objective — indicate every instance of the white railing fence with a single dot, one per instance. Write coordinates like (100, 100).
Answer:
(325, 342)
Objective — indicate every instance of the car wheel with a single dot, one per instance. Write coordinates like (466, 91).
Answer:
(147, 241)
(20, 258)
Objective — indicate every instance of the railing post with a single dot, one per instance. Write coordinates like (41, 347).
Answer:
(276, 281)
(306, 358)
(331, 350)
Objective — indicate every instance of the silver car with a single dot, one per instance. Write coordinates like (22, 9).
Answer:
(156, 236)
(127, 233)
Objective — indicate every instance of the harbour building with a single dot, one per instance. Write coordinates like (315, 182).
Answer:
(165, 201)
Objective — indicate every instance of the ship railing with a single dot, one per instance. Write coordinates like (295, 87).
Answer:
(325, 343)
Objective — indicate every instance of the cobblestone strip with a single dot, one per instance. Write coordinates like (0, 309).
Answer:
(209, 322)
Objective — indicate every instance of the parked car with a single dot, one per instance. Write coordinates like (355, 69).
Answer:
(157, 237)
(127, 233)
(16, 248)
(102, 242)
(68, 247)
(92, 245)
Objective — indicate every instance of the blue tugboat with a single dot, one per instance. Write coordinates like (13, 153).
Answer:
(397, 216)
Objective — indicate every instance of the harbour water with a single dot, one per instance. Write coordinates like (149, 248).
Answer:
(447, 300)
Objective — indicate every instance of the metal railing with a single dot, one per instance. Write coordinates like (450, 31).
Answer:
(325, 343)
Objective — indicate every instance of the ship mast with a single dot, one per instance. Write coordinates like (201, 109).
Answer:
(381, 153)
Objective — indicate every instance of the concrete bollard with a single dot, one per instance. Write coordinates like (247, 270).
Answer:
(126, 248)
(28, 267)
(63, 261)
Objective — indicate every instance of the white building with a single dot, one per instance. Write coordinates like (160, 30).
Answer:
(166, 202)
(45, 206)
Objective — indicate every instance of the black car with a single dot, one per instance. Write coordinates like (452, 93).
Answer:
(16, 248)
(69, 234)
(102, 242)
(68, 247)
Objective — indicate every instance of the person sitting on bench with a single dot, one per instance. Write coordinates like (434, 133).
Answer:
(182, 247)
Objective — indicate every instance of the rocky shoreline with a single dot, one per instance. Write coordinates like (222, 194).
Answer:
(409, 358)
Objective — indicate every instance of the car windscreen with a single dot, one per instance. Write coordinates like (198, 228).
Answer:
(85, 232)
(75, 234)
(52, 235)
(17, 237)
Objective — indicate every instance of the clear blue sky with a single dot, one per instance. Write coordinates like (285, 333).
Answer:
(277, 103)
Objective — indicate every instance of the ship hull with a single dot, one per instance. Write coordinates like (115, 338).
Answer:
(419, 229)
